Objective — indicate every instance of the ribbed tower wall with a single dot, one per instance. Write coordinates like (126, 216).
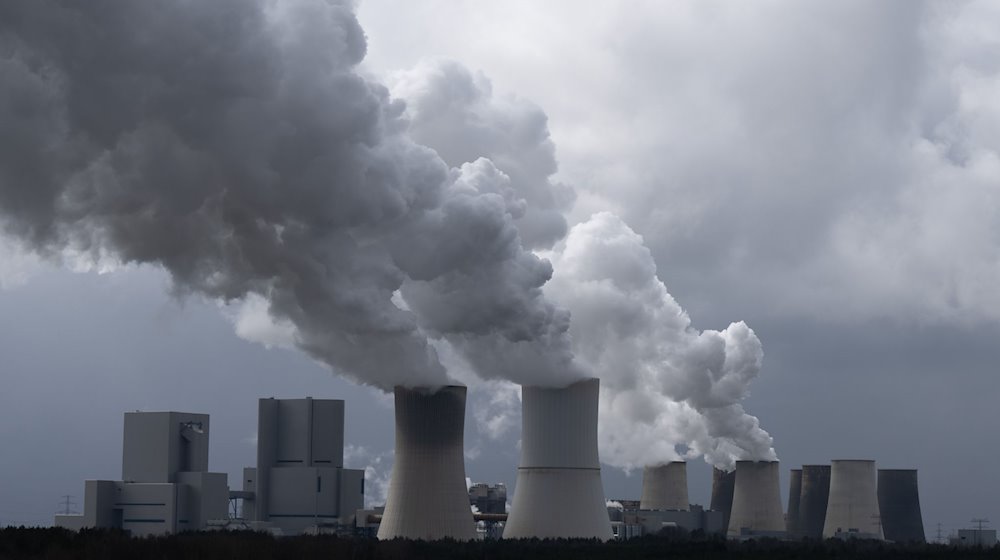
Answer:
(853, 505)
(815, 494)
(794, 496)
(899, 505)
(559, 492)
(665, 487)
(723, 484)
(427, 497)
(756, 499)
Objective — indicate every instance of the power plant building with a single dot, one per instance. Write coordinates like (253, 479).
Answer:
(665, 487)
(723, 484)
(559, 492)
(852, 510)
(813, 497)
(300, 483)
(428, 498)
(794, 497)
(165, 487)
(756, 508)
(899, 505)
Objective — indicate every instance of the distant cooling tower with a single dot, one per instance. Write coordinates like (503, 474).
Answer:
(427, 493)
(899, 505)
(664, 487)
(756, 500)
(559, 491)
(813, 500)
(723, 484)
(794, 496)
(853, 506)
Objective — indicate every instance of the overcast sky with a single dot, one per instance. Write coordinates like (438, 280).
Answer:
(828, 173)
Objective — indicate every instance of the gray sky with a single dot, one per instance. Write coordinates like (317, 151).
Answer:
(827, 173)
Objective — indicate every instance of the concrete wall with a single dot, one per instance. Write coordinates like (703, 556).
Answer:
(756, 500)
(815, 494)
(156, 445)
(723, 484)
(899, 505)
(427, 494)
(794, 496)
(559, 491)
(853, 505)
(665, 487)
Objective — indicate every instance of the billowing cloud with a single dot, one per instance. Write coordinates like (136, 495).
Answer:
(664, 383)
(234, 144)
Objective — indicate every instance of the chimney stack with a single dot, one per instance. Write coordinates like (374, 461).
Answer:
(664, 487)
(756, 500)
(852, 509)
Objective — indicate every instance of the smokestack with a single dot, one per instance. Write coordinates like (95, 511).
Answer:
(723, 484)
(794, 496)
(853, 505)
(756, 499)
(427, 494)
(815, 495)
(664, 487)
(899, 505)
(559, 492)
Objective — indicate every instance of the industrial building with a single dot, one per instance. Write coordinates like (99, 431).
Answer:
(427, 496)
(165, 486)
(300, 483)
(852, 509)
(813, 498)
(794, 499)
(559, 492)
(899, 505)
(756, 510)
(723, 484)
(664, 487)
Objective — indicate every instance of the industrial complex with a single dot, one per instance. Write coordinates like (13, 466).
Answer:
(300, 484)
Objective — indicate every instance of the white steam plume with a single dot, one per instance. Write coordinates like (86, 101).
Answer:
(233, 143)
(663, 383)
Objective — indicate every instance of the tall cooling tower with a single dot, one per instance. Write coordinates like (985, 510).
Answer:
(559, 492)
(723, 484)
(756, 499)
(794, 495)
(853, 505)
(427, 493)
(665, 487)
(899, 504)
(813, 500)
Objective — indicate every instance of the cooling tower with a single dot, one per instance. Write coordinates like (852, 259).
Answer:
(559, 492)
(853, 506)
(813, 500)
(665, 487)
(756, 500)
(899, 504)
(794, 495)
(427, 493)
(723, 484)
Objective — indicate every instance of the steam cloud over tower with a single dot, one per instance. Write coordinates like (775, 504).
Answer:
(899, 505)
(665, 487)
(813, 500)
(559, 492)
(853, 505)
(756, 499)
(427, 494)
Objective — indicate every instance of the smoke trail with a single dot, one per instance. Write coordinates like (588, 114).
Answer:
(232, 143)
(663, 382)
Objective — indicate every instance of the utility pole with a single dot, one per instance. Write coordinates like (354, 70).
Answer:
(979, 529)
(940, 537)
(67, 503)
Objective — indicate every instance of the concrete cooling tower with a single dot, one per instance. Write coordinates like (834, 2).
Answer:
(427, 494)
(665, 487)
(794, 495)
(813, 500)
(559, 491)
(756, 501)
(899, 505)
(852, 510)
(723, 484)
